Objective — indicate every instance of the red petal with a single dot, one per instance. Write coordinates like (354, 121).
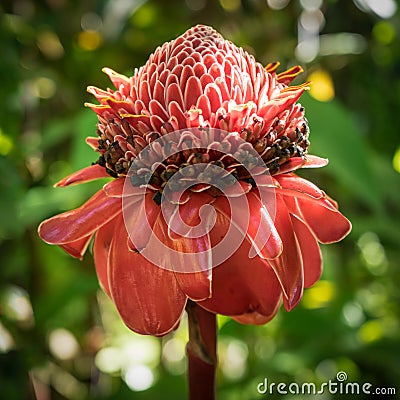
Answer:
(78, 248)
(192, 92)
(315, 161)
(299, 162)
(287, 76)
(93, 142)
(147, 297)
(120, 187)
(101, 251)
(84, 175)
(189, 258)
(255, 318)
(256, 224)
(184, 219)
(81, 222)
(139, 219)
(114, 188)
(328, 224)
(310, 252)
(175, 110)
(174, 93)
(116, 78)
(288, 266)
(261, 229)
(297, 184)
(242, 285)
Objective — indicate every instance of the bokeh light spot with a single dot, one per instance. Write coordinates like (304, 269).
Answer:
(278, 4)
(311, 5)
(319, 295)
(396, 160)
(89, 40)
(108, 360)
(91, 21)
(371, 331)
(144, 16)
(43, 87)
(234, 358)
(382, 8)
(174, 356)
(384, 32)
(373, 253)
(6, 144)
(230, 5)
(139, 378)
(49, 44)
(62, 344)
(353, 314)
(16, 305)
(6, 340)
(195, 5)
(322, 88)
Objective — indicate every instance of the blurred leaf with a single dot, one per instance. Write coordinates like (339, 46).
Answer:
(42, 202)
(12, 190)
(335, 135)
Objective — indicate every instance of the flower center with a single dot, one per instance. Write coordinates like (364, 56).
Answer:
(274, 149)
(198, 159)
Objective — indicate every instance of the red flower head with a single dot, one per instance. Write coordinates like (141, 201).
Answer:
(202, 142)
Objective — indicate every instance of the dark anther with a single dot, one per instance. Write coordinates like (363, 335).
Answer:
(111, 173)
(101, 161)
(157, 198)
(167, 174)
(273, 167)
(252, 182)
(130, 140)
(218, 163)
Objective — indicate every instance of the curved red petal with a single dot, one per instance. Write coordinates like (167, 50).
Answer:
(293, 182)
(84, 175)
(309, 161)
(147, 297)
(188, 216)
(242, 285)
(312, 161)
(261, 230)
(139, 218)
(189, 258)
(101, 251)
(328, 224)
(255, 318)
(81, 222)
(310, 251)
(288, 266)
(93, 142)
(78, 248)
(119, 188)
(114, 188)
(257, 224)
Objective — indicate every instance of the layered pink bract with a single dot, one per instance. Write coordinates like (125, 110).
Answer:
(200, 80)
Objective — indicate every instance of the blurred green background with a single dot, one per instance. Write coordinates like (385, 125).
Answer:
(58, 331)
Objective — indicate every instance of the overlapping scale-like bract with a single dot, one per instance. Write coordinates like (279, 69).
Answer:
(201, 80)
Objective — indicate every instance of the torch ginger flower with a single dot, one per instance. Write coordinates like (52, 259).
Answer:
(192, 89)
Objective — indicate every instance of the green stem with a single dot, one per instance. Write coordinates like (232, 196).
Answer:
(201, 352)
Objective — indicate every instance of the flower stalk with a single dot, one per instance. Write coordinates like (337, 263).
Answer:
(201, 352)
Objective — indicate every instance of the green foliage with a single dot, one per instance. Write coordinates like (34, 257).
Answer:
(60, 332)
